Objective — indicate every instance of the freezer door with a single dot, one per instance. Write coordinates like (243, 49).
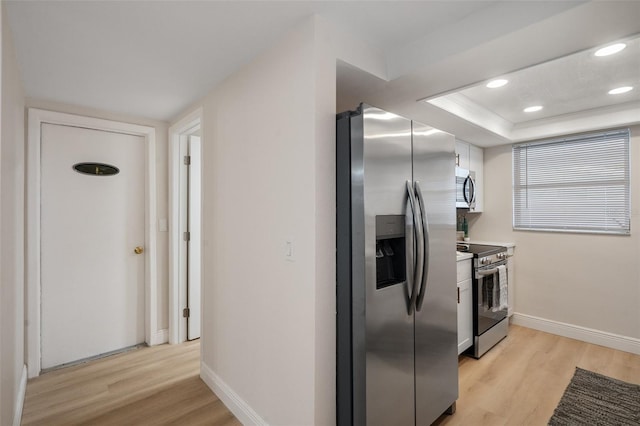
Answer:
(436, 356)
(388, 336)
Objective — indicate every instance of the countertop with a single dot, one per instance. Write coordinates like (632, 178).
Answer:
(489, 243)
(463, 256)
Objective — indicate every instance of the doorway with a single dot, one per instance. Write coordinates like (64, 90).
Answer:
(92, 243)
(40, 260)
(186, 224)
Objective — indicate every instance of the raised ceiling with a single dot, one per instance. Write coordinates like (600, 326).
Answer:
(566, 88)
(566, 85)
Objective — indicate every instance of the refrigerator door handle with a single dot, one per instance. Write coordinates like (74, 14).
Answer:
(418, 239)
(425, 244)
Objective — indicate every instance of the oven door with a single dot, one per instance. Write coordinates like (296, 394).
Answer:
(489, 311)
(465, 189)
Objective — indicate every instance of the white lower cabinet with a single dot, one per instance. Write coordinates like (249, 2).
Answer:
(465, 306)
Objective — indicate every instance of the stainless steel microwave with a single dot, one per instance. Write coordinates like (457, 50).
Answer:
(465, 189)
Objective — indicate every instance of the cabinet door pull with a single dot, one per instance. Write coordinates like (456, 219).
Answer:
(458, 295)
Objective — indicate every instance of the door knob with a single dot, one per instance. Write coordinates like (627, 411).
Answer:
(138, 250)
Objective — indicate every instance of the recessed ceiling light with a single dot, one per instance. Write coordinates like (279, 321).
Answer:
(497, 83)
(610, 50)
(619, 90)
(533, 108)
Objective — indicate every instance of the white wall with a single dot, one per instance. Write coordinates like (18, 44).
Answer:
(268, 337)
(162, 238)
(586, 280)
(12, 163)
(258, 183)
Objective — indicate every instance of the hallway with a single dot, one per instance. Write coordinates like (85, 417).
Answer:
(149, 386)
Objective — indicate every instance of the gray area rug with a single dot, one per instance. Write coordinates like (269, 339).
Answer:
(594, 399)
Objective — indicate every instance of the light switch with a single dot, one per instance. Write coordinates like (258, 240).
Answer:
(289, 251)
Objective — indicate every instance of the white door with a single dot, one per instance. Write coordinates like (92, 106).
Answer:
(92, 279)
(195, 206)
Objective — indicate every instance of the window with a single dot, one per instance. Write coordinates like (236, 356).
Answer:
(574, 184)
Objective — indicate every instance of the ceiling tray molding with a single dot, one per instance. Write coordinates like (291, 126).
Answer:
(607, 117)
(627, 114)
(472, 112)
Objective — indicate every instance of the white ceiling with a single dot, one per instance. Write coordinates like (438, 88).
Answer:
(568, 87)
(557, 35)
(155, 58)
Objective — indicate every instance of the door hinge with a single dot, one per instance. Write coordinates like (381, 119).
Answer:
(187, 236)
(187, 160)
(186, 313)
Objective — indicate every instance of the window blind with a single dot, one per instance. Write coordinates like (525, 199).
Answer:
(576, 184)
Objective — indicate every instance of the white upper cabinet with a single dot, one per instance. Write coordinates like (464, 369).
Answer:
(471, 157)
(462, 154)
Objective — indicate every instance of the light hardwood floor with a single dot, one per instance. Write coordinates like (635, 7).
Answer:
(519, 382)
(147, 386)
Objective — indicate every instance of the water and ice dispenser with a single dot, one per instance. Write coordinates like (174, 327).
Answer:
(390, 250)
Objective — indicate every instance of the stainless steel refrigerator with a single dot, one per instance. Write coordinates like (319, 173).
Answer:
(397, 360)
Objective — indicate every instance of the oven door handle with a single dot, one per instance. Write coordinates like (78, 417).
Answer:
(485, 272)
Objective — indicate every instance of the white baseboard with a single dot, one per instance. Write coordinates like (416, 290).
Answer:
(231, 400)
(589, 335)
(160, 337)
(22, 390)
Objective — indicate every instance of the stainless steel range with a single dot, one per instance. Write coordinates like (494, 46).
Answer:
(490, 296)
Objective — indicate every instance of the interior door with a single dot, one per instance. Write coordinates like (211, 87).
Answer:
(195, 207)
(92, 225)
